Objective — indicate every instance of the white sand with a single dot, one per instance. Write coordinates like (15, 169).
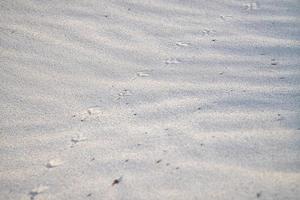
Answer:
(166, 99)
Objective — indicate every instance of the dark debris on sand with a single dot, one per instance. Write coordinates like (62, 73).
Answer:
(116, 181)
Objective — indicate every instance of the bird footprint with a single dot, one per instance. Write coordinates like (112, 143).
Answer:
(172, 61)
(90, 113)
(182, 44)
(251, 6)
(37, 190)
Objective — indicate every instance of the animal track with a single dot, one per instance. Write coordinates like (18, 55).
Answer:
(90, 113)
(182, 44)
(123, 94)
(226, 17)
(279, 117)
(208, 32)
(142, 74)
(78, 138)
(251, 6)
(273, 62)
(172, 61)
(37, 190)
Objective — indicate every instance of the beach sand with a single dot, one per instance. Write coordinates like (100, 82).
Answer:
(149, 100)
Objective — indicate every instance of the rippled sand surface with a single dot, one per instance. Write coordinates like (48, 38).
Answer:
(148, 100)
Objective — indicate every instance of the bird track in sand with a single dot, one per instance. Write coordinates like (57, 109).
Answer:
(251, 6)
(89, 114)
(183, 44)
(172, 61)
(37, 190)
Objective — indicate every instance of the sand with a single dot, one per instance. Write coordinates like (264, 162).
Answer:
(159, 99)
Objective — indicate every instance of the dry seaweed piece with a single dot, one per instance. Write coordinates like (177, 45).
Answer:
(89, 194)
(116, 181)
(158, 161)
(258, 194)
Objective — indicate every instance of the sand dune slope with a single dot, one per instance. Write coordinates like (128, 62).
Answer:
(151, 100)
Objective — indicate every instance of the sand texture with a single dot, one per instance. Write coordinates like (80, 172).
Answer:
(149, 99)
